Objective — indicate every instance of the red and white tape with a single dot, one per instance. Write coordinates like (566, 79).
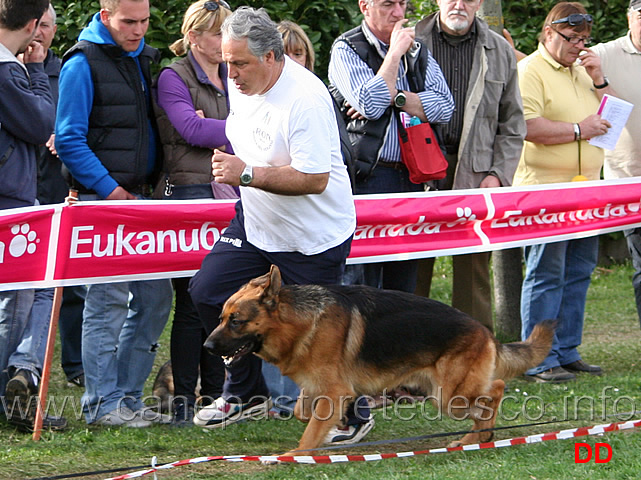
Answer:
(324, 459)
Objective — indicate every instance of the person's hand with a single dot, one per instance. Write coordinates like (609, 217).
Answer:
(517, 53)
(200, 113)
(120, 193)
(353, 113)
(402, 38)
(508, 36)
(51, 144)
(593, 126)
(35, 53)
(592, 64)
(490, 182)
(226, 168)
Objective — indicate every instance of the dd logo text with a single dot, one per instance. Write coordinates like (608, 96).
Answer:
(583, 452)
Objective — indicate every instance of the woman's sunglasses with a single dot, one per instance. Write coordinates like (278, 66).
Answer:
(574, 19)
(213, 6)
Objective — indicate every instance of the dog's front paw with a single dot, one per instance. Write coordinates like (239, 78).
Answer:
(275, 461)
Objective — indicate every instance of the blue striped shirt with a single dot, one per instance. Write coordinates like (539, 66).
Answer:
(369, 95)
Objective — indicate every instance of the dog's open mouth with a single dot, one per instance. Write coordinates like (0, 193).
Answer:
(239, 353)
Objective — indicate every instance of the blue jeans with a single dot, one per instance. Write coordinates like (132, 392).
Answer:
(555, 286)
(15, 309)
(30, 353)
(398, 275)
(122, 323)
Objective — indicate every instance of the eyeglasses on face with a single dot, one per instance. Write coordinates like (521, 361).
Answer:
(575, 40)
(213, 6)
(574, 19)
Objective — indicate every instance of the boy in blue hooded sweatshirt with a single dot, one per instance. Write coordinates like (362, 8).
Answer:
(105, 137)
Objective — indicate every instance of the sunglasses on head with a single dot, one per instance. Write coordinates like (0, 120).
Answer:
(574, 19)
(213, 6)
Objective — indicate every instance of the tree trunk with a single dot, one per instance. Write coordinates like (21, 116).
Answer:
(492, 13)
(506, 264)
(508, 277)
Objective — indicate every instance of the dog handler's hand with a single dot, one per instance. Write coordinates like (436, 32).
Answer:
(226, 168)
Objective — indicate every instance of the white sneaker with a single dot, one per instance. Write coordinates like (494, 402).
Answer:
(222, 413)
(123, 416)
(349, 434)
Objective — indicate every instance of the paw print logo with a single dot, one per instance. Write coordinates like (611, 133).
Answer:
(24, 240)
(463, 215)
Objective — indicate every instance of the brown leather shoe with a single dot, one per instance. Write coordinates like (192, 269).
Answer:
(580, 366)
(553, 375)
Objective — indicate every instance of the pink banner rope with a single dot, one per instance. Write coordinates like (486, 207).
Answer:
(95, 242)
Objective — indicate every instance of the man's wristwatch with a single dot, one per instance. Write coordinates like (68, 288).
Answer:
(247, 176)
(603, 85)
(400, 99)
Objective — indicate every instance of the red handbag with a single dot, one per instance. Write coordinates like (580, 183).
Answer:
(420, 152)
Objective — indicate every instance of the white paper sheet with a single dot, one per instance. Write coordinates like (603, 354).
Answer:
(615, 111)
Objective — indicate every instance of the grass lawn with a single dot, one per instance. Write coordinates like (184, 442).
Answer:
(612, 339)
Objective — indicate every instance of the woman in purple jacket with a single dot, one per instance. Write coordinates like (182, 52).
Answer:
(191, 108)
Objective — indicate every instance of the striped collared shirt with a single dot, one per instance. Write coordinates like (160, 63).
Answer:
(367, 92)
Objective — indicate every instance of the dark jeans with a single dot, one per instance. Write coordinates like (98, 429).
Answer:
(633, 237)
(70, 326)
(398, 275)
(233, 263)
(188, 357)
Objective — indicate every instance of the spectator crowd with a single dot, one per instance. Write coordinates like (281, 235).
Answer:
(241, 114)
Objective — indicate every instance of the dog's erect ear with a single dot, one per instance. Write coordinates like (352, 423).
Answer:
(271, 288)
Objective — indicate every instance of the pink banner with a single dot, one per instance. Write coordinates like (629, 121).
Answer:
(96, 242)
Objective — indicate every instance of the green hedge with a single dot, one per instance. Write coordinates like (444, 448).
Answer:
(324, 20)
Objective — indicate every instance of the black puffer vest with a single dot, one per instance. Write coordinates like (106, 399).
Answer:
(367, 136)
(119, 121)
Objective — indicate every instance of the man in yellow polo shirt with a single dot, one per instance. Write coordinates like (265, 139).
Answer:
(561, 86)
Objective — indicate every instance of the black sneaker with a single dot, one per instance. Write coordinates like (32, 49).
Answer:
(349, 434)
(553, 375)
(26, 423)
(183, 416)
(78, 381)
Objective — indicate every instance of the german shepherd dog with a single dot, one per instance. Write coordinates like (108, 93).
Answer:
(340, 342)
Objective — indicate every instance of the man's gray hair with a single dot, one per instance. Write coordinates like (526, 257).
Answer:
(52, 11)
(258, 29)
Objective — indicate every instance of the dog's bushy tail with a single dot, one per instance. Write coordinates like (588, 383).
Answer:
(515, 358)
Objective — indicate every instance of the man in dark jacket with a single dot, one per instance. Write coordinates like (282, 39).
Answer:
(27, 119)
(52, 188)
(105, 137)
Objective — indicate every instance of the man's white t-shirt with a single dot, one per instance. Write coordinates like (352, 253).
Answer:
(292, 124)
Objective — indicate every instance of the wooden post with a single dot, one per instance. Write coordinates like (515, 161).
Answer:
(51, 342)
(46, 367)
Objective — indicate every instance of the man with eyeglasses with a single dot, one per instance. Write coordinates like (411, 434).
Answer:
(105, 137)
(561, 85)
(621, 63)
(483, 141)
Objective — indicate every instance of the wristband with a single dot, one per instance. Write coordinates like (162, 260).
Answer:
(577, 131)
(603, 85)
